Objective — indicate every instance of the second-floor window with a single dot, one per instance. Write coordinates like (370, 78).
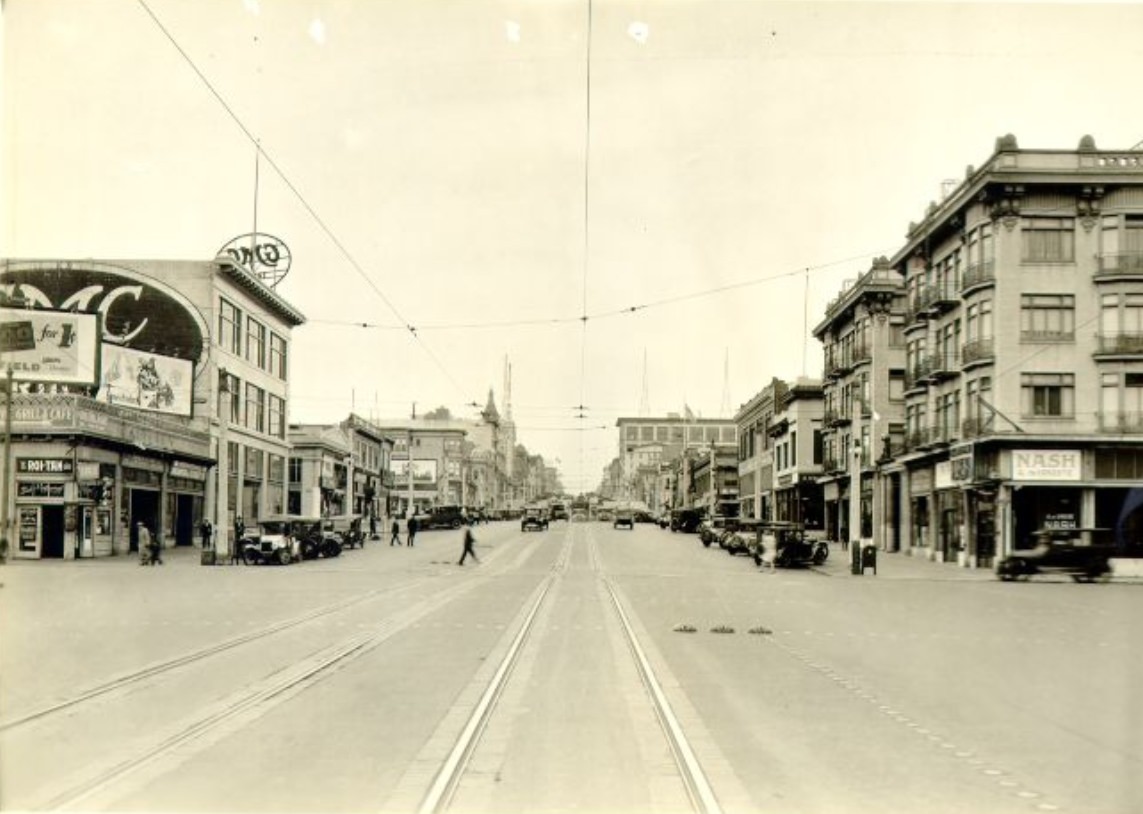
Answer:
(1047, 317)
(255, 342)
(229, 326)
(1048, 395)
(277, 356)
(1048, 240)
(277, 416)
(230, 390)
(255, 408)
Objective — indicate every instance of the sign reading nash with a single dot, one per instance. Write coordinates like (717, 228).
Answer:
(1047, 464)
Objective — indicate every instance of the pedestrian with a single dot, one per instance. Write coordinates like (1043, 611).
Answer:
(372, 526)
(143, 536)
(769, 552)
(236, 544)
(412, 529)
(206, 531)
(396, 532)
(156, 545)
(469, 542)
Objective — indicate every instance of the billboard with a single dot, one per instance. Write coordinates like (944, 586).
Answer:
(146, 381)
(50, 347)
(424, 471)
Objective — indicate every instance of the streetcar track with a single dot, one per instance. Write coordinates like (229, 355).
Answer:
(250, 701)
(158, 669)
(450, 774)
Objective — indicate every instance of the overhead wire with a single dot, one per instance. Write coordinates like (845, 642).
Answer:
(318, 219)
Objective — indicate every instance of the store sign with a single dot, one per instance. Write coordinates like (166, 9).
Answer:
(1047, 465)
(960, 469)
(942, 475)
(137, 310)
(265, 256)
(39, 489)
(50, 347)
(45, 466)
(424, 471)
(146, 381)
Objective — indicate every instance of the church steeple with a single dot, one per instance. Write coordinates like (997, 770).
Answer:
(490, 412)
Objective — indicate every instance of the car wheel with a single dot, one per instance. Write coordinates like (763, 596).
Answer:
(282, 555)
(251, 557)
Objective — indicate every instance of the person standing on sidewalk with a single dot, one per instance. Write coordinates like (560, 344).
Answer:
(412, 529)
(396, 532)
(236, 543)
(469, 542)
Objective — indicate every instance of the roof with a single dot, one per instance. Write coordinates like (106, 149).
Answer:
(260, 291)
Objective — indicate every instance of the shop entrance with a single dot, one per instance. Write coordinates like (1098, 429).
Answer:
(144, 509)
(52, 532)
(184, 519)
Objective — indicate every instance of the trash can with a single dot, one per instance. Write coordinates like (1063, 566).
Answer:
(869, 558)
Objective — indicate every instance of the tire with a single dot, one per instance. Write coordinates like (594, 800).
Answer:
(251, 557)
(331, 549)
(821, 554)
(309, 550)
(706, 543)
(282, 556)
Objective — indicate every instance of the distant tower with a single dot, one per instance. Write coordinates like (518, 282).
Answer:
(507, 389)
(725, 412)
(645, 399)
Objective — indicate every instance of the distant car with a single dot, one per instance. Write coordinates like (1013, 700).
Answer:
(1059, 551)
(578, 517)
(534, 518)
(625, 518)
(442, 517)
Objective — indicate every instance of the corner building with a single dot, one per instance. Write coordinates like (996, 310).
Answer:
(1023, 368)
(190, 377)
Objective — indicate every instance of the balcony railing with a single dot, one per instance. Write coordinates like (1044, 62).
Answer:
(1123, 264)
(831, 465)
(944, 365)
(862, 353)
(1120, 343)
(937, 298)
(977, 350)
(1131, 422)
(976, 427)
(976, 275)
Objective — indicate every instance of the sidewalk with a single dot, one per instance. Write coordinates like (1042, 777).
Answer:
(901, 565)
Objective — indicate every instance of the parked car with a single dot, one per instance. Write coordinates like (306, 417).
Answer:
(349, 528)
(685, 520)
(792, 547)
(1059, 551)
(442, 517)
(315, 537)
(270, 541)
(625, 518)
(711, 529)
(534, 518)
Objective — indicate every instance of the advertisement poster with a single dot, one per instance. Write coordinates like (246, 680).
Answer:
(146, 381)
(423, 471)
(50, 347)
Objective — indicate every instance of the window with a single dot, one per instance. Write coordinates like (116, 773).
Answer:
(1048, 240)
(277, 416)
(1047, 317)
(255, 408)
(817, 446)
(793, 449)
(295, 470)
(254, 463)
(255, 342)
(277, 356)
(229, 326)
(228, 381)
(1048, 394)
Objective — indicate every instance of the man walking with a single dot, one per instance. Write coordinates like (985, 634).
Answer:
(143, 535)
(412, 529)
(469, 542)
(396, 532)
(236, 543)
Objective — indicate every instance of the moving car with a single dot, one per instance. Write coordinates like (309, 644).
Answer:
(1059, 551)
(685, 520)
(625, 518)
(534, 518)
(442, 517)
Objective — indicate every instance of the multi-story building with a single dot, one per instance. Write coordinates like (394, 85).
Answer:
(190, 373)
(795, 434)
(672, 435)
(319, 465)
(426, 464)
(712, 480)
(862, 395)
(370, 479)
(755, 455)
(1023, 391)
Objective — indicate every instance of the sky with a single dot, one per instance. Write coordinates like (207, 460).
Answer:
(640, 205)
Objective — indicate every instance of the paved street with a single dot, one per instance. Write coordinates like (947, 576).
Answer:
(391, 679)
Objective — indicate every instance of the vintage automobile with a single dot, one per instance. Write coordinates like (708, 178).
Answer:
(625, 518)
(789, 543)
(712, 529)
(534, 518)
(349, 527)
(270, 541)
(1060, 551)
(315, 536)
(442, 517)
(685, 520)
